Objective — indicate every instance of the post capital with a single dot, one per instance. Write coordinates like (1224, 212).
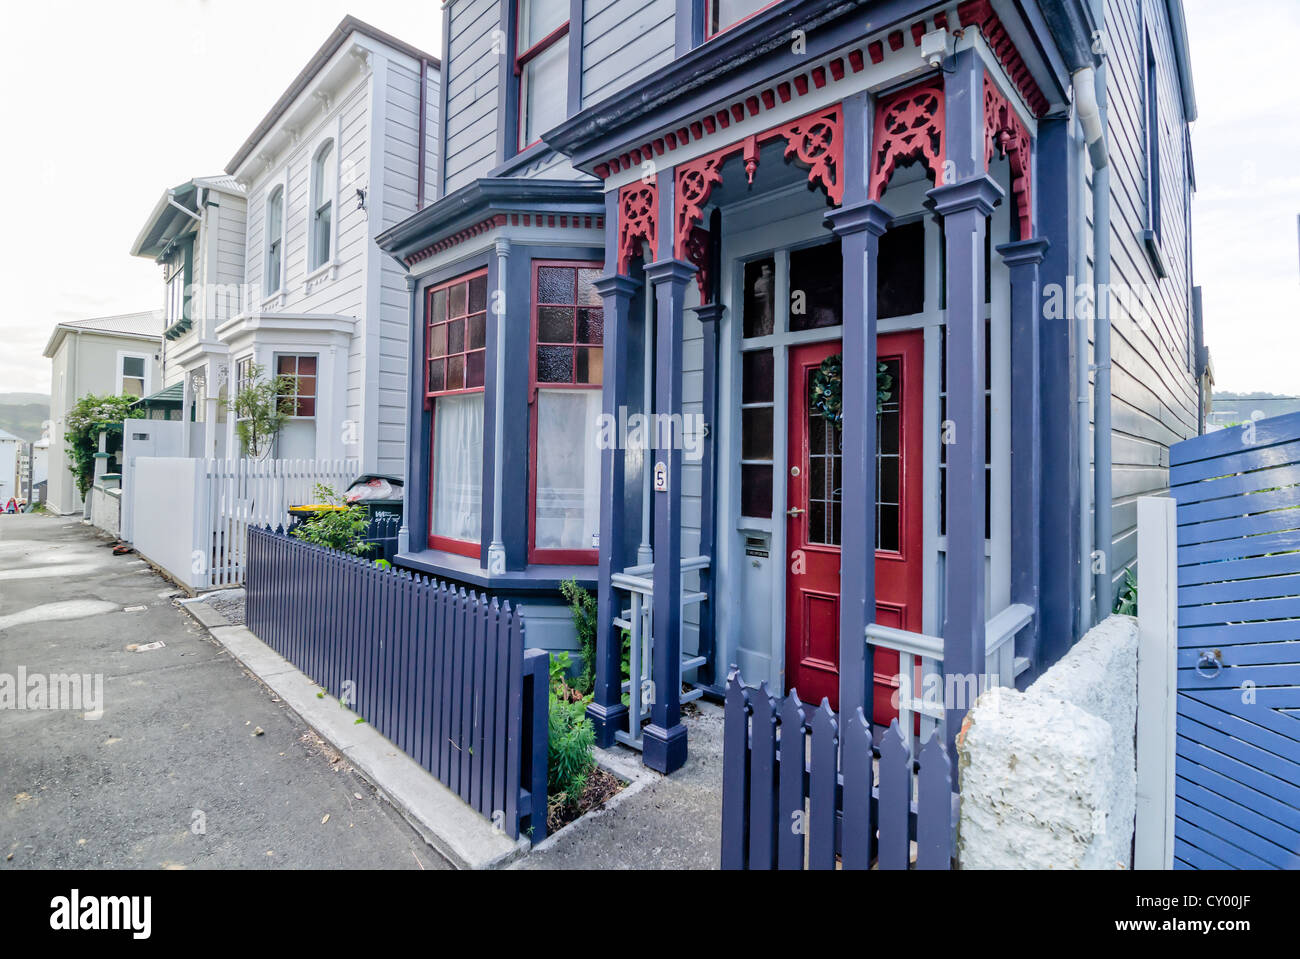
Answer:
(1024, 252)
(670, 271)
(980, 193)
(868, 215)
(709, 312)
(616, 284)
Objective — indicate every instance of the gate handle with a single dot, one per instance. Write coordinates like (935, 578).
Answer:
(1210, 664)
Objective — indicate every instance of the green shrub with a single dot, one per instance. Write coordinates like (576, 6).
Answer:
(570, 759)
(583, 609)
(341, 526)
(84, 422)
(1127, 604)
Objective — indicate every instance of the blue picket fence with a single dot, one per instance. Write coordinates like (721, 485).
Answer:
(442, 673)
(1237, 761)
(798, 790)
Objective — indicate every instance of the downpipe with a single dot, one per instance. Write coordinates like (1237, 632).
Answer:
(1103, 437)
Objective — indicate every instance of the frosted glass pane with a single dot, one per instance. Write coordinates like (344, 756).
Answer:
(568, 469)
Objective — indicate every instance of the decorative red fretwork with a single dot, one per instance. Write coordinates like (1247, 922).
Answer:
(1006, 135)
(980, 13)
(695, 181)
(638, 215)
(698, 253)
(909, 126)
(815, 140)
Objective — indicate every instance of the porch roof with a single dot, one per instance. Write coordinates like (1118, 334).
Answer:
(750, 54)
(173, 397)
(483, 199)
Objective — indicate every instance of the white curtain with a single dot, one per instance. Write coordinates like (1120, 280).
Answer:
(458, 467)
(568, 469)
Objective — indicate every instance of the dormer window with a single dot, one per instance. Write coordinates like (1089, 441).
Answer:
(542, 66)
(275, 241)
(324, 179)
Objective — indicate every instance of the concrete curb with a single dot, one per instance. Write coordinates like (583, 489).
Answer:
(458, 833)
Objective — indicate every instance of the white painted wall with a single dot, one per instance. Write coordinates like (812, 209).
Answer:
(1048, 776)
(8, 469)
(166, 514)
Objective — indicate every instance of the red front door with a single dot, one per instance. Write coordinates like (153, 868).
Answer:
(813, 520)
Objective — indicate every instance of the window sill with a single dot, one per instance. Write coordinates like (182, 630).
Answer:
(276, 299)
(463, 569)
(1151, 243)
(319, 275)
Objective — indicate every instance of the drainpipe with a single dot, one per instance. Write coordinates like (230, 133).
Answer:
(1094, 126)
(497, 549)
(1081, 370)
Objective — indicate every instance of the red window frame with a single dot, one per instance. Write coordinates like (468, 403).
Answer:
(710, 5)
(569, 557)
(522, 60)
(304, 403)
(461, 547)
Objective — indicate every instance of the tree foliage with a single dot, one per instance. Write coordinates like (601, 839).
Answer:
(260, 408)
(84, 422)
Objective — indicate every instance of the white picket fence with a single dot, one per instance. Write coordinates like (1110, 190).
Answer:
(192, 516)
(239, 493)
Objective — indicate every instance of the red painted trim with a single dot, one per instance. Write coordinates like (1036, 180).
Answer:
(909, 126)
(980, 13)
(557, 557)
(461, 547)
(491, 223)
(815, 140)
(1005, 134)
(638, 216)
(708, 18)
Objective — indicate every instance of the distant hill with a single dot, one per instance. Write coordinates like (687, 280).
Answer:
(24, 414)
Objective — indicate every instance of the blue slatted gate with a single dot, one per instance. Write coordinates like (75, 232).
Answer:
(1237, 787)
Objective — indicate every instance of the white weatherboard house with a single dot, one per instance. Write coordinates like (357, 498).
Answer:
(107, 355)
(274, 263)
(10, 449)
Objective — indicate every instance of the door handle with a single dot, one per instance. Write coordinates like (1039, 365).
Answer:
(794, 511)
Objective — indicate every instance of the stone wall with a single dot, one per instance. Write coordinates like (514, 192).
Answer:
(1048, 776)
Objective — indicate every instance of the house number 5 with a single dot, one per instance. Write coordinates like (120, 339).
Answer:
(661, 477)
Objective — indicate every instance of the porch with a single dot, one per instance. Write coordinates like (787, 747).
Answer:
(822, 354)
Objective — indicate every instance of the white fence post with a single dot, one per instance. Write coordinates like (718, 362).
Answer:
(1157, 682)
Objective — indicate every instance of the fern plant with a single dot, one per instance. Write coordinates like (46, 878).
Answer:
(583, 609)
(1127, 604)
(570, 759)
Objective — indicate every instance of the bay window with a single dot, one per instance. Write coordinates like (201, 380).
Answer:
(567, 365)
(542, 67)
(456, 341)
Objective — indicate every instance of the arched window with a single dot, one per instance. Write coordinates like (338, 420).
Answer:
(274, 241)
(324, 187)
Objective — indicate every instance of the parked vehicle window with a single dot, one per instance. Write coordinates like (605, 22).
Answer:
(542, 67)
(720, 15)
(568, 366)
(303, 371)
(456, 341)
(324, 188)
(274, 239)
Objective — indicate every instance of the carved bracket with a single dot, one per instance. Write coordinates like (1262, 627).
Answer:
(638, 214)
(909, 126)
(1005, 134)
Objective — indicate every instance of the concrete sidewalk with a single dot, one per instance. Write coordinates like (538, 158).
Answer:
(175, 774)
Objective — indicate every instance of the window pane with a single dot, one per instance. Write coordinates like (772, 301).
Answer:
(760, 290)
(816, 287)
(590, 367)
(591, 325)
(286, 365)
(438, 306)
(321, 247)
(555, 284)
(474, 370)
(456, 372)
(133, 366)
(476, 332)
(456, 336)
(555, 324)
(726, 13)
(478, 294)
(457, 474)
(437, 376)
(756, 433)
(307, 365)
(543, 91)
(438, 340)
(568, 469)
(901, 276)
(457, 299)
(538, 19)
(587, 293)
(756, 491)
(759, 377)
(555, 364)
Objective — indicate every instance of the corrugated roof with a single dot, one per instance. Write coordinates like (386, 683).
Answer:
(148, 323)
(5, 435)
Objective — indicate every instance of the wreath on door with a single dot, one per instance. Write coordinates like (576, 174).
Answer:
(827, 389)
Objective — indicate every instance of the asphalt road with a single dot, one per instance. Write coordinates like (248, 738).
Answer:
(174, 774)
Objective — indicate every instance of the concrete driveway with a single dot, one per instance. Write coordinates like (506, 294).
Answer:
(174, 774)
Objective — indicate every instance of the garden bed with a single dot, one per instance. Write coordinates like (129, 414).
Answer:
(602, 786)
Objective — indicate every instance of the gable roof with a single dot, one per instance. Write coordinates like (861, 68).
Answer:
(143, 326)
(347, 26)
(6, 436)
(168, 220)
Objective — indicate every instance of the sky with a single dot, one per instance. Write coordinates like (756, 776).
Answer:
(106, 105)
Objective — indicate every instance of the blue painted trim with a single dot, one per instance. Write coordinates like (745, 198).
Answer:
(507, 88)
(688, 27)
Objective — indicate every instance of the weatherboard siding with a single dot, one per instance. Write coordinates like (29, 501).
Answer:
(624, 41)
(472, 71)
(1153, 388)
